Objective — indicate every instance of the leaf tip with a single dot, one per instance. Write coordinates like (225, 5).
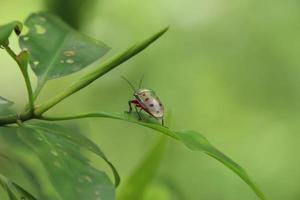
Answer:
(163, 31)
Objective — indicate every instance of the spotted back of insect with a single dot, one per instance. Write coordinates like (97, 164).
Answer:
(151, 103)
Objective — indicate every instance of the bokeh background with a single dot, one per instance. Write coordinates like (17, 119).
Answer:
(228, 69)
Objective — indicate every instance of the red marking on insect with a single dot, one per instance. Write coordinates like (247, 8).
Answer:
(146, 100)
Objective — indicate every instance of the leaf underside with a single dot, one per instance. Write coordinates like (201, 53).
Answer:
(7, 29)
(56, 49)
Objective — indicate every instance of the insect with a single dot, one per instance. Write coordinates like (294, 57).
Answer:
(146, 100)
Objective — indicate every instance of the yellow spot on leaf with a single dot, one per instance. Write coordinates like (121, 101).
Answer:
(39, 29)
(69, 53)
(69, 61)
(36, 63)
(88, 179)
(54, 153)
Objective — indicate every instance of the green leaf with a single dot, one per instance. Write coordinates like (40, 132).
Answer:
(21, 164)
(7, 29)
(142, 176)
(56, 49)
(77, 139)
(14, 191)
(192, 139)
(69, 171)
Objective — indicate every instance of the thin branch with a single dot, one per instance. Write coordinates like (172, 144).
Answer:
(147, 122)
(82, 116)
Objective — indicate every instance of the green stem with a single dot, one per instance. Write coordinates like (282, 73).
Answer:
(22, 61)
(82, 116)
(11, 53)
(100, 71)
(29, 90)
(14, 118)
(118, 116)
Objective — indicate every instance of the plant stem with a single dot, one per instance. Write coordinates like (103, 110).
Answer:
(100, 71)
(29, 90)
(118, 116)
(82, 116)
(22, 61)
(10, 119)
(11, 53)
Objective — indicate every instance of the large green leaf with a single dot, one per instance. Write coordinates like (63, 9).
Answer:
(192, 139)
(142, 176)
(22, 165)
(69, 171)
(14, 191)
(56, 49)
(77, 139)
(7, 29)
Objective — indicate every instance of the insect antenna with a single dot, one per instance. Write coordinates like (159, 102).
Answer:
(130, 84)
(141, 81)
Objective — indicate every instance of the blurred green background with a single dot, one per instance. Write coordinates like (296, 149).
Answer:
(228, 69)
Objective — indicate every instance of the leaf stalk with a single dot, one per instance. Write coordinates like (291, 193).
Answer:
(22, 61)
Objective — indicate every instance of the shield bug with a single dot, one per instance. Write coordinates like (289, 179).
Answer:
(146, 100)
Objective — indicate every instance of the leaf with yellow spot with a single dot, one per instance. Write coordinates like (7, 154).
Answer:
(56, 49)
(70, 172)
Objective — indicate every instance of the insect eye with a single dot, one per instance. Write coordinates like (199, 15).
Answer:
(151, 105)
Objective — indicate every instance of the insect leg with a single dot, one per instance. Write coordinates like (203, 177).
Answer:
(139, 114)
(162, 122)
(130, 107)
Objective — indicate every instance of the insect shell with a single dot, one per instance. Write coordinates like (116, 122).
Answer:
(146, 99)
(150, 102)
